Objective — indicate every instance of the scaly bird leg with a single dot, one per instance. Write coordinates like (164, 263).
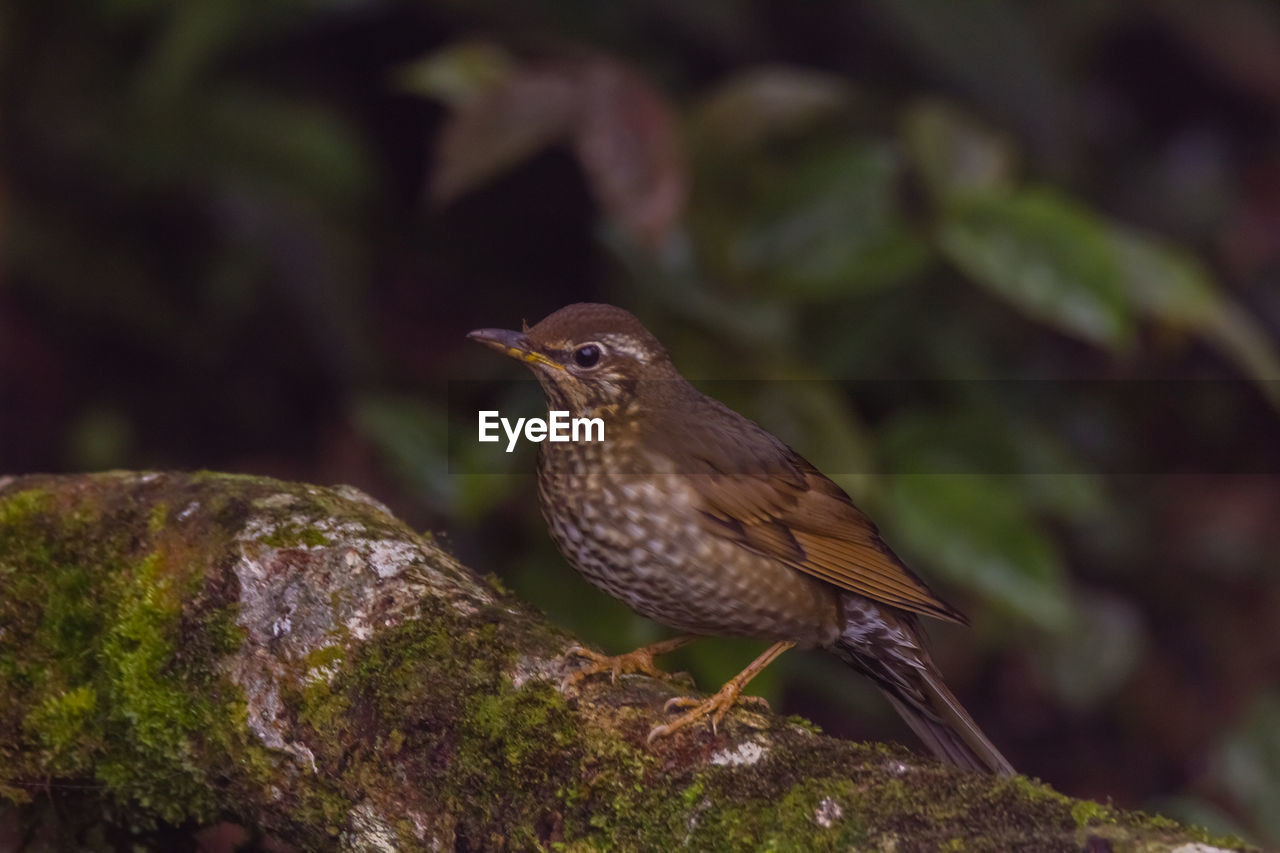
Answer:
(718, 705)
(641, 661)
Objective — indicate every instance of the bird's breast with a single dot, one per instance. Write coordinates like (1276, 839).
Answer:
(630, 525)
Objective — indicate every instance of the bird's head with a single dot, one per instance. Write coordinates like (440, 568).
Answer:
(590, 359)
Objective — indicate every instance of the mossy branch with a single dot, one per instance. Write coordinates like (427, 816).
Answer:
(177, 650)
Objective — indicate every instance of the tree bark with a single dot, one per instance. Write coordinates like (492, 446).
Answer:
(182, 649)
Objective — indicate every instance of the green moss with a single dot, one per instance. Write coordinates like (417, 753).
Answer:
(1030, 789)
(220, 634)
(796, 826)
(384, 688)
(157, 518)
(63, 725)
(112, 629)
(154, 712)
(294, 535)
(497, 738)
(99, 650)
(495, 583)
(644, 805)
(1086, 813)
(324, 657)
(1154, 824)
(520, 742)
(18, 508)
(808, 725)
(322, 705)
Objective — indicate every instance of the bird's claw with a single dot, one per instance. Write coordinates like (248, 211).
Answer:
(678, 702)
(715, 707)
(639, 661)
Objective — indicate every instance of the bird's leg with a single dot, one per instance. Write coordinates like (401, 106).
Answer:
(641, 660)
(718, 705)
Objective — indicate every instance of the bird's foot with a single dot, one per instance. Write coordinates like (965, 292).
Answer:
(725, 698)
(715, 707)
(640, 661)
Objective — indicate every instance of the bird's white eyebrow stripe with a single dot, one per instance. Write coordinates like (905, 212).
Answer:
(626, 345)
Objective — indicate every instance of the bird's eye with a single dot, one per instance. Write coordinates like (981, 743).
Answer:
(587, 355)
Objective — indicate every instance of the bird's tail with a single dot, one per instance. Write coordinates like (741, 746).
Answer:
(914, 687)
(947, 729)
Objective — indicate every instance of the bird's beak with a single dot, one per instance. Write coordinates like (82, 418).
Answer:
(513, 344)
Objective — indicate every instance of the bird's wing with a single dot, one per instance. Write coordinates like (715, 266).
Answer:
(753, 489)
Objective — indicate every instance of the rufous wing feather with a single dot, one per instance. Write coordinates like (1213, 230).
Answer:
(769, 499)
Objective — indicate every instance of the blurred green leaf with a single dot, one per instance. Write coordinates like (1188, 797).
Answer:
(458, 74)
(1046, 255)
(194, 34)
(410, 435)
(768, 102)
(817, 418)
(954, 152)
(1241, 337)
(540, 576)
(963, 491)
(976, 532)
(832, 225)
(413, 438)
(986, 434)
(1163, 282)
(1247, 764)
(1172, 287)
(280, 143)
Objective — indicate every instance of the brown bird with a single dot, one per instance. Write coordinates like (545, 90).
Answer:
(699, 519)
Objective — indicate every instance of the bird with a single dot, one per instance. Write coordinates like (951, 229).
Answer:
(701, 520)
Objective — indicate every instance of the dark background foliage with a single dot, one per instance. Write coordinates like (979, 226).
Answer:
(1007, 270)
